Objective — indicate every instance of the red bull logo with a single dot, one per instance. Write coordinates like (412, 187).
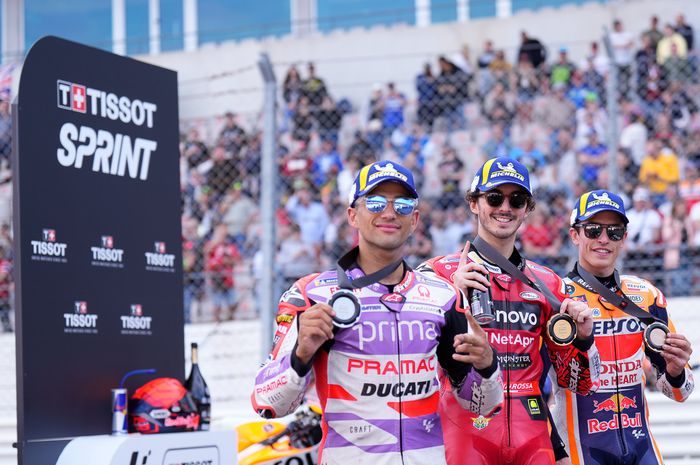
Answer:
(615, 403)
(599, 426)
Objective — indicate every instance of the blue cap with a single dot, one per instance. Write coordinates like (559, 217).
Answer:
(374, 174)
(594, 202)
(502, 170)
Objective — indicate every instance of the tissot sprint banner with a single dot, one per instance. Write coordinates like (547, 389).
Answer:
(97, 238)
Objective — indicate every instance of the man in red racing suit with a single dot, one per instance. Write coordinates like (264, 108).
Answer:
(611, 427)
(520, 433)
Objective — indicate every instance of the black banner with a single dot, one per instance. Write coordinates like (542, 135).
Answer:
(97, 237)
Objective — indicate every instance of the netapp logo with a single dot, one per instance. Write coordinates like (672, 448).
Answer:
(113, 154)
(135, 323)
(159, 260)
(80, 321)
(106, 254)
(48, 249)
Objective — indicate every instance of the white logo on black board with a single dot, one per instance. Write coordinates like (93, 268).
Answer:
(48, 249)
(136, 323)
(106, 255)
(80, 321)
(159, 260)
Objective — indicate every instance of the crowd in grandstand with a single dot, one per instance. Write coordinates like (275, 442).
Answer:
(547, 112)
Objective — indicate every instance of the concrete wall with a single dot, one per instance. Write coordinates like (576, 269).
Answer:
(224, 77)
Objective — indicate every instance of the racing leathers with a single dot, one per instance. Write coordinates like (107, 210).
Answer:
(378, 379)
(520, 433)
(611, 426)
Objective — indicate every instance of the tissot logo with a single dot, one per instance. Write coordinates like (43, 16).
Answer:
(107, 255)
(80, 321)
(48, 249)
(135, 323)
(159, 260)
(71, 96)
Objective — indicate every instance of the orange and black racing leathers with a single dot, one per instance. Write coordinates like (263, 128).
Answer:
(611, 427)
(520, 433)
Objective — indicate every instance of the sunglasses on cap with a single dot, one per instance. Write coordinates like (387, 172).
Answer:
(517, 199)
(403, 206)
(615, 232)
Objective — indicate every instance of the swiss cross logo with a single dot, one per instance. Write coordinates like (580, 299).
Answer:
(79, 98)
(49, 235)
(81, 307)
(136, 310)
(107, 242)
(160, 247)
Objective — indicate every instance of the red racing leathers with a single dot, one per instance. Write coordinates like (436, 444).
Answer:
(520, 433)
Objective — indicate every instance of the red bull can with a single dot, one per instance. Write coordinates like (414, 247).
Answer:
(119, 411)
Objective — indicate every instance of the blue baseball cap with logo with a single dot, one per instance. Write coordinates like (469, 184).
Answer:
(374, 174)
(502, 170)
(594, 202)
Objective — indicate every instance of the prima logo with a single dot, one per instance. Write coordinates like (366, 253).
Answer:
(106, 255)
(136, 323)
(80, 321)
(159, 260)
(48, 249)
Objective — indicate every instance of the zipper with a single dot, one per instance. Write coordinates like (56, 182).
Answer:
(398, 356)
(508, 396)
(620, 433)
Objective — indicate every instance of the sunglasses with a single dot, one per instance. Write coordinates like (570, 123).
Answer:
(593, 230)
(516, 199)
(403, 206)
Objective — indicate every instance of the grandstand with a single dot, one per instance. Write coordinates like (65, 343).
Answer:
(370, 97)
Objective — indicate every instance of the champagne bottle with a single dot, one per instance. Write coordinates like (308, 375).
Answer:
(196, 385)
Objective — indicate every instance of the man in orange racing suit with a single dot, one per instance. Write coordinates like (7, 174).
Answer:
(611, 427)
(501, 198)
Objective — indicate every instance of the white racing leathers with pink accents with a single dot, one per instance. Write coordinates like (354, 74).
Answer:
(378, 380)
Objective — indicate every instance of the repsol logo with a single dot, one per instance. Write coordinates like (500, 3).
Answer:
(396, 389)
(521, 319)
(392, 331)
(617, 326)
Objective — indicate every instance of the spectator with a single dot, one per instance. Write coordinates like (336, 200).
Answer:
(500, 68)
(329, 119)
(664, 49)
(222, 255)
(659, 170)
(451, 173)
(326, 165)
(578, 90)
(447, 233)
(192, 266)
(674, 234)
(527, 81)
(686, 30)
(308, 214)
(451, 85)
(361, 150)
(540, 240)
(5, 131)
(643, 232)
(223, 172)
(593, 80)
(679, 107)
(426, 88)
(525, 127)
(313, 88)
(394, 103)
(562, 69)
(565, 157)
(498, 144)
(529, 155)
(194, 149)
(533, 48)
(346, 177)
(232, 136)
(589, 119)
(653, 34)
(628, 172)
(296, 165)
(237, 211)
(302, 122)
(634, 137)
(499, 105)
(484, 61)
(292, 87)
(295, 257)
(420, 245)
(592, 158)
(596, 61)
(463, 61)
(677, 68)
(555, 110)
(689, 187)
(623, 54)
(5, 287)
